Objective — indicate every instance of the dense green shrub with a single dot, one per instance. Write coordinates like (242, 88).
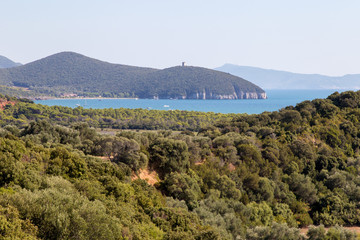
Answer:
(245, 177)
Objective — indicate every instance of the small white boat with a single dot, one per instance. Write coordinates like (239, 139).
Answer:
(166, 106)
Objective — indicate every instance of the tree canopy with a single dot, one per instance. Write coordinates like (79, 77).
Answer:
(237, 176)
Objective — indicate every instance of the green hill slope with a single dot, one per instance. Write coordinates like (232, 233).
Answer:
(7, 63)
(68, 72)
(200, 83)
(260, 176)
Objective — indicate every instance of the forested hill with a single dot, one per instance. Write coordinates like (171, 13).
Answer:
(63, 175)
(200, 83)
(71, 73)
(7, 63)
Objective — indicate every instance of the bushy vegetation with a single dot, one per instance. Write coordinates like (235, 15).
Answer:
(234, 177)
(72, 73)
(141, 119)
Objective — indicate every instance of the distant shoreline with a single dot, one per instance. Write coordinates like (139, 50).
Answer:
(79, 98)
(89, 98)
(277, 100)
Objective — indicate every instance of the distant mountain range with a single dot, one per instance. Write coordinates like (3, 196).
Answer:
(274, 79)
(69, 73)
(7, 63)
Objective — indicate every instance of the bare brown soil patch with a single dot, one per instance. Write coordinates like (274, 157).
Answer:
(231, 167)
(4, 102)
(20, 88)
(199, 163)
(151, 177)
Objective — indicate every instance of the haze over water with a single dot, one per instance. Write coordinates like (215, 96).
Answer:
(277, 99)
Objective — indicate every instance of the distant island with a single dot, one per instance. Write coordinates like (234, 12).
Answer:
(70, 74)
(275, 79)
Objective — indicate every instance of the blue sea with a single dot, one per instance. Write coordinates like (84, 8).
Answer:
(277, 99)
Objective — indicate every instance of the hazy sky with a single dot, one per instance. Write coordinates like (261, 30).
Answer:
(306, 36)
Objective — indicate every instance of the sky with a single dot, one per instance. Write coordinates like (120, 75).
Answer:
(303, 36)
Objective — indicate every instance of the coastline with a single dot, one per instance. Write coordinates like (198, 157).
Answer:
(80, 98)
